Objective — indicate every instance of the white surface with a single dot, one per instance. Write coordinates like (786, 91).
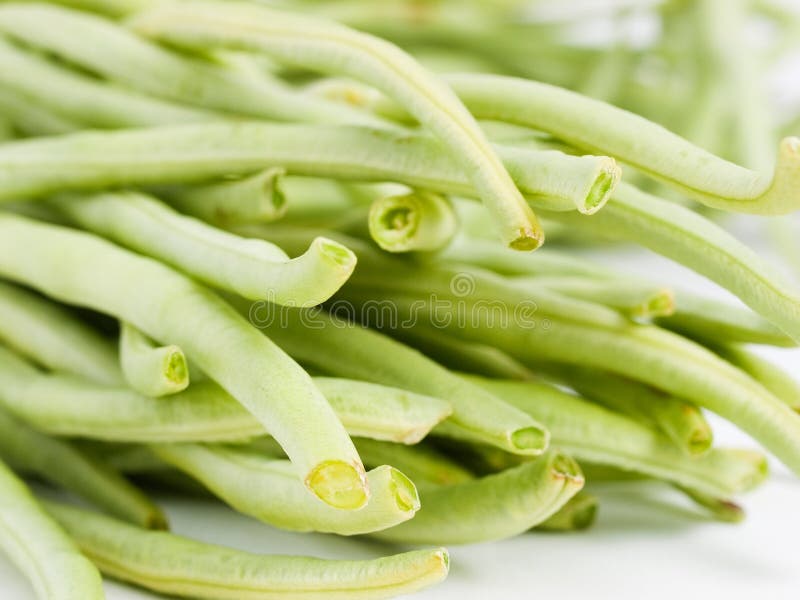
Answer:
(648, 542)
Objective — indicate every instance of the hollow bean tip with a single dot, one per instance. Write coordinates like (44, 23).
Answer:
(338, 255)
(729, 512)
(527, 239)
(660, 304)
(530, 441)
(176, 369)
(759, 470)
(699, 441)
(339, 484)
(404, 492)
(601, 190)
(565, 467)
(393, 222)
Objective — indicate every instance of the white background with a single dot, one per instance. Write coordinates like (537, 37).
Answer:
(648, 542)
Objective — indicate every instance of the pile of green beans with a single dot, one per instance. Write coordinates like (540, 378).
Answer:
(282, 259)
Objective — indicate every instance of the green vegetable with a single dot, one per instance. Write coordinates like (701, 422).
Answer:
(149, 369)
(38, 547)
(63, 464)
(178, 566)
(169, 306)
(415, 221)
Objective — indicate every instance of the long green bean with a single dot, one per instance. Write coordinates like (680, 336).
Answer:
(198, 152)
(54, 337)
(169, 306)
(149, 369)
(492, 507)
(598, 435)
(783, 385)
(152, 69)
(251, 268)
(178, 566)
(688, 238)
(679, 420)
(327, 46)
(29, 118)
(269, 490)
(598, 127)
(253, 199)
(40, 549)
(204, 412)
(63, 464)
(83, 99)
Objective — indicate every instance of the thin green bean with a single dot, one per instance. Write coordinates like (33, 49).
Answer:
(198, 152)
(83, 99)
(40, 549)
(598, 435)
(31, 119)
(83, 269)
(577, 514)
(686, 237)
(269, 490)
(150, 369)
(492, 507)
(204, 412)
(63, 464)
(54, 337)
(595, 126)
(149, 68)
(679, 420)
(252, 199)
(422, 463)
(178, 566)
(254, 269)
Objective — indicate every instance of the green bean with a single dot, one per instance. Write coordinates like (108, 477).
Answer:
(344, 350)
(83, 99)
(64, 405)
(545, 262)
(785, 387)
(720, 509)
(422, 463)
(54, 337)
(169, 306)
(251, 268)
(252, 199)
(150, 369)
(704, 319)
(328, 46)
(598, 127)
(578, 513)
(178, 566)
(198, 152)
(381, 412)
(40, 549)
(635, 299)
(492, 507)
(453, 353)
(58, 461)
(269, 490)
(151, 69)
(689, 239)
(29, 118)
(679, 420)
(595, 434)
(417, 221)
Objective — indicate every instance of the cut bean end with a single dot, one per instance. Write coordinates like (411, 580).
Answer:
(405, 492)
(339, 484)
(530, 440)
(177, 371)
(600, 192)
(527, 240)
(336, 253)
